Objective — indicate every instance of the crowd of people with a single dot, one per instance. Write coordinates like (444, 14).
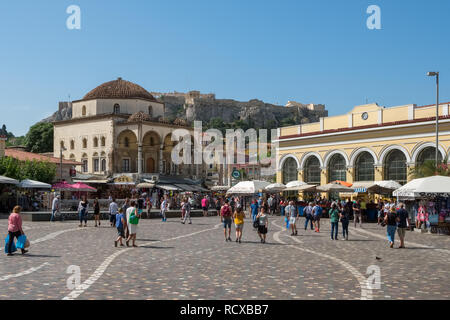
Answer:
(126, 215)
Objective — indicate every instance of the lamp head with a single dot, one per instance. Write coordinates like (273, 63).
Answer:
(432, 74)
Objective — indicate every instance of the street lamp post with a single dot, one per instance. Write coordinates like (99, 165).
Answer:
(436, 74)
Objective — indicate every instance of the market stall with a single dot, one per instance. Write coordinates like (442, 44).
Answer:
(428, 199)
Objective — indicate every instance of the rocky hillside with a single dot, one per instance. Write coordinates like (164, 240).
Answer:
(195, 106)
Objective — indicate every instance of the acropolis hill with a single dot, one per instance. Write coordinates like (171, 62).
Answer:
(194, 105)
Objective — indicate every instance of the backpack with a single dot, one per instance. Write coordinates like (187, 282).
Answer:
(134, 219)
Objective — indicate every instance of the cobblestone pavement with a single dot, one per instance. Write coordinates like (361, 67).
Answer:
(175, 261)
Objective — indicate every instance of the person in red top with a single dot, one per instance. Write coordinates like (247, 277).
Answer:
(225, 218)
(205, 204)
(14, 229)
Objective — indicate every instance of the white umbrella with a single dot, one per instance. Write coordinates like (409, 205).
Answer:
(296, 183)
(424, 187)
(32, 184)
(388, 184)
(6, 180)
(305, 187)
(334, 187)
(219, 188)
(248, 187)
(275, 187)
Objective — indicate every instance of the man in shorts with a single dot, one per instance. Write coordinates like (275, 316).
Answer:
(357, 213)
(292, 213)
(317, 211)
(225, 218)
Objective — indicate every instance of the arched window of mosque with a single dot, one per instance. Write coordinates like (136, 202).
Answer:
(395, 167)
(84, 143)
(116, 108)
(103, 165)
(83, 110)
(337, 168)
(312, 170)
(365, 170)
(72, 144)
(152, 141)
(103, 141)
(126, 142)
(428, 154)
(61, 144)
(95, 142)
(289, 170)
(150, 111)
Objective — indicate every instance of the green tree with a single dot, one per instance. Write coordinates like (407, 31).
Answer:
(429, 168)
(40, 138)
(35, 170)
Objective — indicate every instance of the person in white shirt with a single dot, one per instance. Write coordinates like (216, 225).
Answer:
(292, 213)
(113, 210)
(55, 207)
(164, 208)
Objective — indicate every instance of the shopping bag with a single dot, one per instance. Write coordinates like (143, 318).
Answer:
(13, 247)
(21, 241)
(287, 222)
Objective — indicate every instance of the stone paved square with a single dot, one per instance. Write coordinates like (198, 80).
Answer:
(177, 262)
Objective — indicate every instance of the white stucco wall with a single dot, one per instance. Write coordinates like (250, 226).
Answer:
(106, 106)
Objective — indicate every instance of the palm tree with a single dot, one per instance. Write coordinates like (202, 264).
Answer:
(428, 168)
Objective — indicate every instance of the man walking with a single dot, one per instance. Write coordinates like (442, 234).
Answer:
(164, 207)
(187, 211)
(113, 211)
(402, 224)
(225, 218)
(292, 213)
(55, 208)
(357, 213)
(308, 215)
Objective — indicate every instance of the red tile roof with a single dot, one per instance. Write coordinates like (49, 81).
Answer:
(24, 155)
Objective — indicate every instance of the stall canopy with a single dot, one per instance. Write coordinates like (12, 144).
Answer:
(145, 185)
(305, 187)
(31, 184)
(167, 187)
(83, 187)
(275, 187)
(296, 183)
(385, 186)
(334, 187)
(435, 186)
(248, 187)
(6, 180)
(220, 188)
(63, 186)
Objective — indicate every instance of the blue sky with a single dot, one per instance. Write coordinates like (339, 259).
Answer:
(309, 51)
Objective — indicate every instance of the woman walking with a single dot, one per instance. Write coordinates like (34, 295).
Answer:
(391, 224)
(334, 220)
(263, 224)
(132, 222)
(239, 216)
(96, 212)
(83, 208)
(345, 220)
(14, 229)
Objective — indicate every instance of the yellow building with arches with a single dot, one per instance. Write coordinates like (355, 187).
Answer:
(370, 143)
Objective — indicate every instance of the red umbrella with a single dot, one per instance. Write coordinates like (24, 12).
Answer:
(83, 187)
(63, 186)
